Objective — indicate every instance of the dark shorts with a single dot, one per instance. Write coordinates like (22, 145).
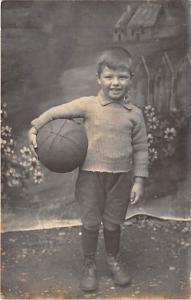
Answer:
(103, 196)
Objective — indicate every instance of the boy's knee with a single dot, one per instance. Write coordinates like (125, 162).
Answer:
(92, 227)
(111, 226)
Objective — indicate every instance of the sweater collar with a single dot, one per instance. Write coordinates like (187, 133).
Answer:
(126, 102)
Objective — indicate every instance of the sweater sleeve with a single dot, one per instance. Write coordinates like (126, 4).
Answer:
(74, 109)
(140, 147)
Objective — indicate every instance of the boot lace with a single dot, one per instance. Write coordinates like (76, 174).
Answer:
(89, 266)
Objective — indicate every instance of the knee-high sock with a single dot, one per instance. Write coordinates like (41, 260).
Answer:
(89, 242)
(112, 241)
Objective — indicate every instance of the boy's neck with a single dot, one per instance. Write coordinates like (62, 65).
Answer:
(105, 101)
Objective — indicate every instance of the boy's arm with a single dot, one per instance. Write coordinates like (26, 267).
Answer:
(140, 148)
(73, 109)
(140, 159)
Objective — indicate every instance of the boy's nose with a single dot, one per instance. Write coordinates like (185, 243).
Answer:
(115, 81)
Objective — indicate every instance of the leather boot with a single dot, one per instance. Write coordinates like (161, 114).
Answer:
(119, 276)
(89, 276)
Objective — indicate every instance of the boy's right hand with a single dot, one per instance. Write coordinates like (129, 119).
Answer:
(32, 140)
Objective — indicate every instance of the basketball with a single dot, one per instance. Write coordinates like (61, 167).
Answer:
(62, 145)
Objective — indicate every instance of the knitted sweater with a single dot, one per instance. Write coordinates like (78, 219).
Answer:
(117, 139)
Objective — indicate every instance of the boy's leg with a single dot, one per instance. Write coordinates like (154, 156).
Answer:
(112, 234)
(117, 199)
(89, 247)
(89, 194)
(89, 241)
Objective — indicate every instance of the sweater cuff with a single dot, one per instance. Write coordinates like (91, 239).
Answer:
(141, 171)
(36, 124)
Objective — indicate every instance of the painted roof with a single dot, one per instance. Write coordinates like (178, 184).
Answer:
(125, 17)
(145, 16)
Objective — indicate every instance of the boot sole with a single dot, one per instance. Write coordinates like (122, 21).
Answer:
(88, 290)
(118, 283)
(121, 284)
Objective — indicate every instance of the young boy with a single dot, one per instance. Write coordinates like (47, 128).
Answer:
(117, 152)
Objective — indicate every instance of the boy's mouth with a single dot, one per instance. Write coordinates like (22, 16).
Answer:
(115, 90)
(116, 93)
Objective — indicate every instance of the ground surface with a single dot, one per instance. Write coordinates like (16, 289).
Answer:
(47, 263)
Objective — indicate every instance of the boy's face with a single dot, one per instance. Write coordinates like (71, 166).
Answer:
(115, 83)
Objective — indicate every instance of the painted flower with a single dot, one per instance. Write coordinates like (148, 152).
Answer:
(3, 143)
(150, 138)
(25, 163)
(38, 176)
(33, 163)
(25, 151)
(153, 155)
(6, 143)
(29, 162)
(153, 123)
(3, 114)
(149, 109)
(11, 172)
(169, 134)
(5, 131)
(13, 182)
(8, 151)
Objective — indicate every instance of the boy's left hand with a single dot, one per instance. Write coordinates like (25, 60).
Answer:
(137, 191)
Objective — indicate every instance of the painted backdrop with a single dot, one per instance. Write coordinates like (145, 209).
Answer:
(49, 49)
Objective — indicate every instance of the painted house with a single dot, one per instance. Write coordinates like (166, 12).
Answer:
(149, 20)
(120, 29)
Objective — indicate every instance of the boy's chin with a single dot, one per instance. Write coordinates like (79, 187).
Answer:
(116, 97)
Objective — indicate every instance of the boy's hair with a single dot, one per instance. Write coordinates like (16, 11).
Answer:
(115, 58)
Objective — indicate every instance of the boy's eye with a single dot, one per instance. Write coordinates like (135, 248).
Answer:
(108, 77)
(124, 77)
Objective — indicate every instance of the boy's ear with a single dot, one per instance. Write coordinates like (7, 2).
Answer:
(98, 78)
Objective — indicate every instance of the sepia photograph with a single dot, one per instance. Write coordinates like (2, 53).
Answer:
(95, 149)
